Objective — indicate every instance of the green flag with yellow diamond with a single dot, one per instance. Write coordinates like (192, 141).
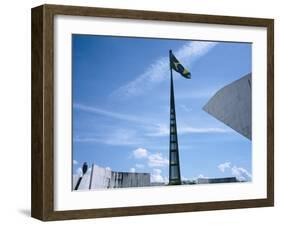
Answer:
(177, 66)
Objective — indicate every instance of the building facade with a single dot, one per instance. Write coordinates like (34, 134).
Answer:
(216, 180)
(232, 105)
(98, 177)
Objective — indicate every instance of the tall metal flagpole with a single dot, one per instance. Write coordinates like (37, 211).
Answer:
(174, 163)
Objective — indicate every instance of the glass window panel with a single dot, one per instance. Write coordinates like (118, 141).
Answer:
(173, 146)
(174, 172)
(173, 157)
(173, 137)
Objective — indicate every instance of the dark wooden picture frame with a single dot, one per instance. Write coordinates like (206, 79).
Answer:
(42, 203)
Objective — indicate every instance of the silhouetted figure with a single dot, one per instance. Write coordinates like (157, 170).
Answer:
(84, 170)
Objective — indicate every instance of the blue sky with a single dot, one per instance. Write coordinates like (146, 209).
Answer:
(121, 106)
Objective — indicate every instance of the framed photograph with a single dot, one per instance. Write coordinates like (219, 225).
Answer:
(141, 112)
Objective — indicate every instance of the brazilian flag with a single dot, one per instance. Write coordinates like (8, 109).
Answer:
(177, 66)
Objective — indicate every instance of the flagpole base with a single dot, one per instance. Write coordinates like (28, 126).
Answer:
(175, 183)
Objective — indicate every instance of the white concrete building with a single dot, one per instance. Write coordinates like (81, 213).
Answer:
(99, 178)
(232, 105)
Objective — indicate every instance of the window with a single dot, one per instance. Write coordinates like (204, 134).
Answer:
(173, 157)
(173, 146)
(174, 172)
(173, 137)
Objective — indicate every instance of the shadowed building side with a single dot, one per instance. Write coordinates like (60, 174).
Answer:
(217, 180)
(232, 105)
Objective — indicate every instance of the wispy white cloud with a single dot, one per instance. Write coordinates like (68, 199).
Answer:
(159, 70)
(129, 137)
(159, 130)
(156, 176)
(223, 166)
(111, 114)
(202, 130)
(164, 147)
(197, 94)
(117, 137)
(139, 166)
(157, 160)
(75, 162)
(195, 179)
(135, 120)
(133, 170)
(152, 159)
(185, 108)
(241, 174)
(163, 130)
(202, 176)
(140, 153)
